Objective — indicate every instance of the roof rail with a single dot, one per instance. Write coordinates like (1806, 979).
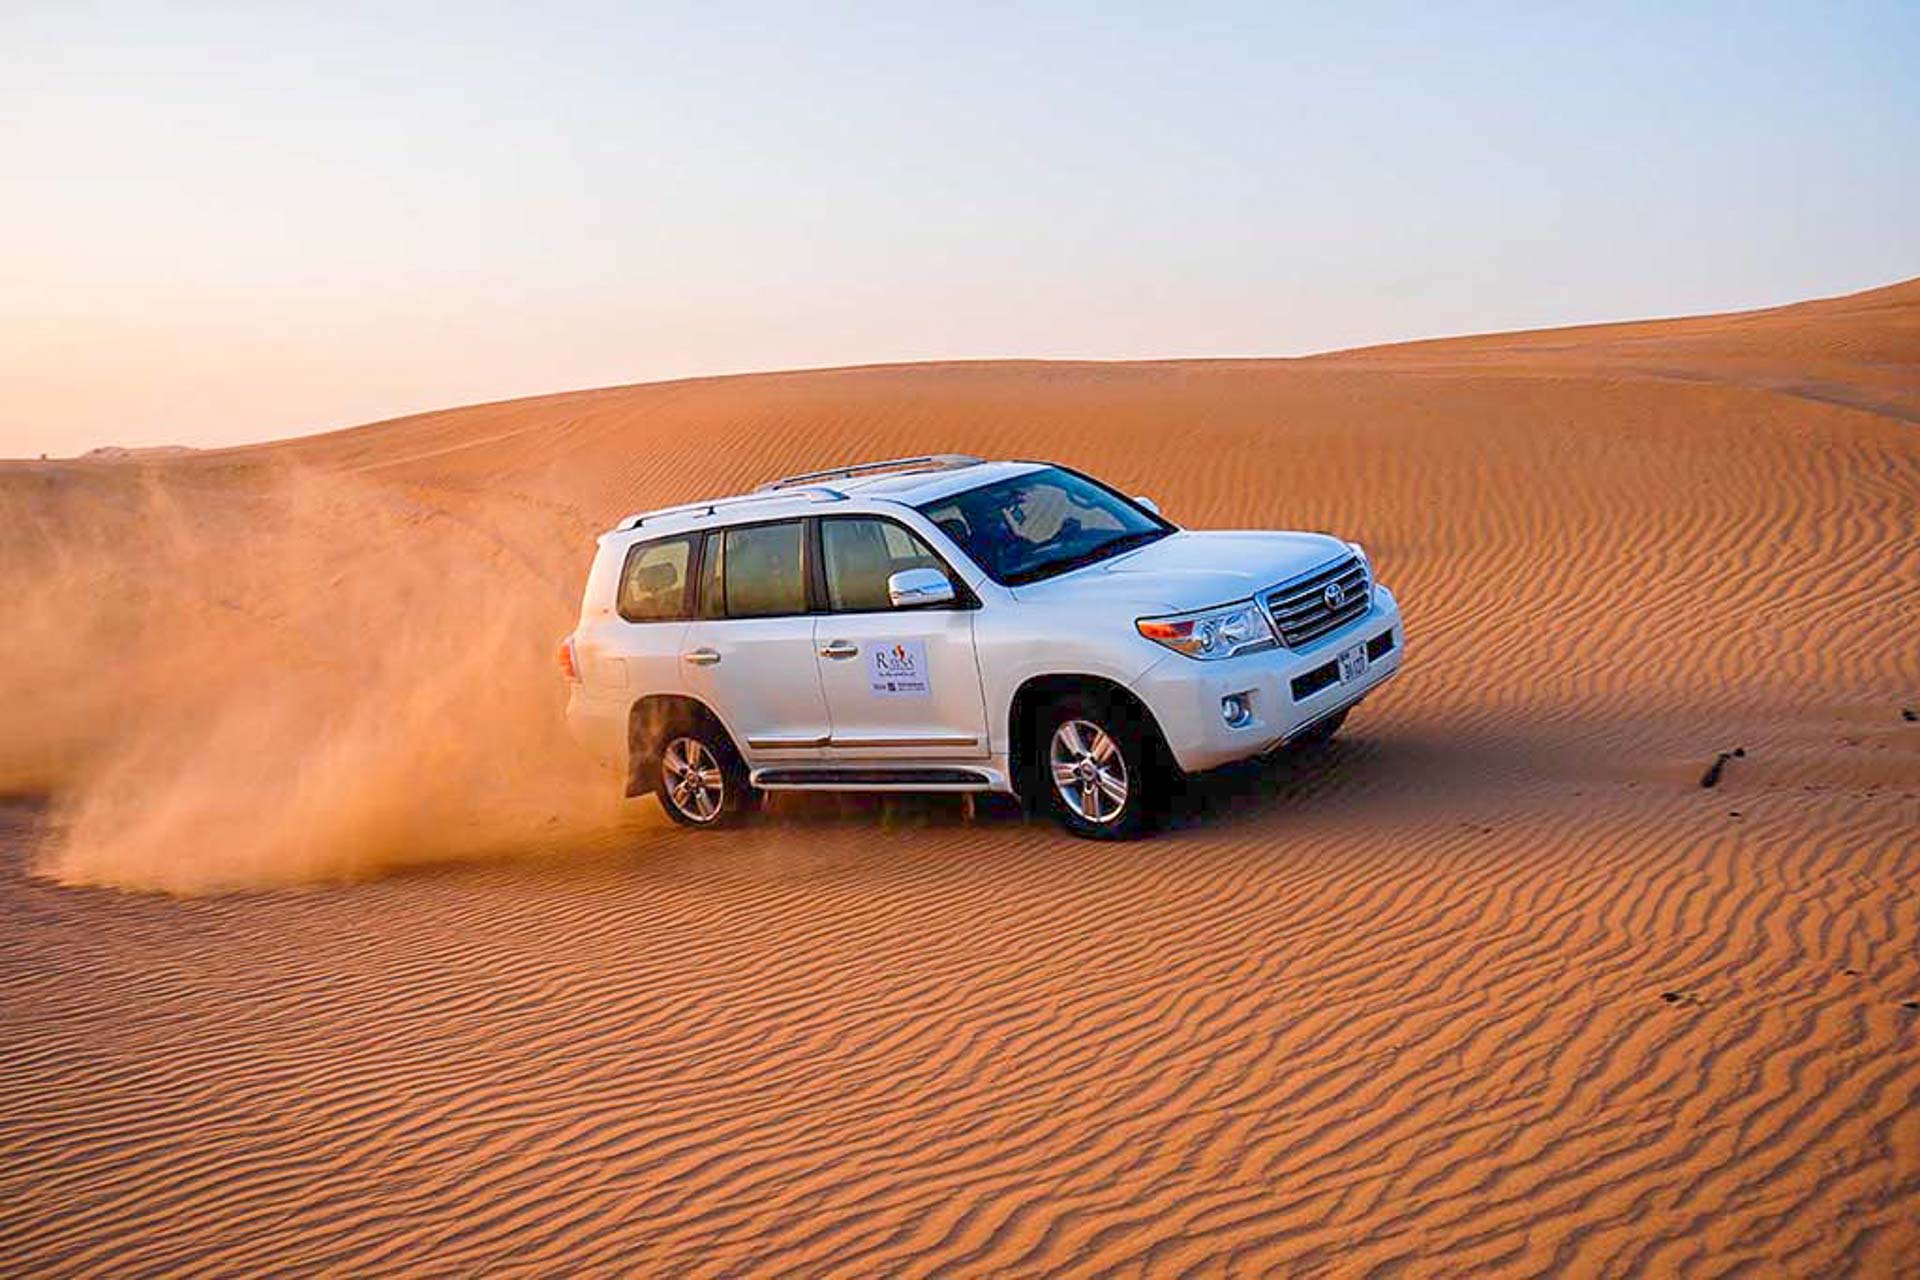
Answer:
(923, 462)
(812, 493)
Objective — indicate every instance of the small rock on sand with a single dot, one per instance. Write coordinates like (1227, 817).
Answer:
(1711, 778)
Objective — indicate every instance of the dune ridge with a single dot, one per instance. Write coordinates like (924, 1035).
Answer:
(1492, 985)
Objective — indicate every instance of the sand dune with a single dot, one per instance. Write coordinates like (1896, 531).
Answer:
(1490, 986)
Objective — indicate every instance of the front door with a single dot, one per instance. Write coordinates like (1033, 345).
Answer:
(750, 653)
(899, 683)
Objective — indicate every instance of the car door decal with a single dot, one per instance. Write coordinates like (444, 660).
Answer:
(898, 669)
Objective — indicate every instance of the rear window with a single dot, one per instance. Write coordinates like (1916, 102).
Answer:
(765, 570)
(653, 584)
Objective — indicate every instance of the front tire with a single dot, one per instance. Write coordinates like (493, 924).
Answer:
(703, 781)
(1095, 768)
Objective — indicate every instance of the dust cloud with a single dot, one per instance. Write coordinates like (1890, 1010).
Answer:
(243, 675)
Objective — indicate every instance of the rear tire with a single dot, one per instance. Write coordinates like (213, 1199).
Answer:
(703, 781)
(1095, 767)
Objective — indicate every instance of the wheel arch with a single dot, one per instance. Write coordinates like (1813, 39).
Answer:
(1038, 692)
(647, 720)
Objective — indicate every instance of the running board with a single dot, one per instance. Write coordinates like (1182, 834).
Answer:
(846, 779)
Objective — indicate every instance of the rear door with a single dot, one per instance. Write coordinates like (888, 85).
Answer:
(899, 683)
(750, 653)
(637, 647)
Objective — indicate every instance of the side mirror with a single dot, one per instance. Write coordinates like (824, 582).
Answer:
(1141, 499)
(911, 587)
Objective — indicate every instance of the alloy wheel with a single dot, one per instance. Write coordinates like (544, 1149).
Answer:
(1089, 771)
(695, 782)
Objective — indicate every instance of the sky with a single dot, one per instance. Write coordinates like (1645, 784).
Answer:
(231, 222)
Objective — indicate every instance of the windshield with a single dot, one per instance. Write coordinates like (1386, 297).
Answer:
(1041, 524)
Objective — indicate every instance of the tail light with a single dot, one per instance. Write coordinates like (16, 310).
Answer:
(569, 660)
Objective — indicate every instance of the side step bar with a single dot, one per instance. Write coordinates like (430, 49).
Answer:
(854, 779)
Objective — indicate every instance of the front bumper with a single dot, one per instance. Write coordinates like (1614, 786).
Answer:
(1286, 691)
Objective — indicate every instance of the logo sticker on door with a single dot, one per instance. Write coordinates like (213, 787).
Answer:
(898, 669)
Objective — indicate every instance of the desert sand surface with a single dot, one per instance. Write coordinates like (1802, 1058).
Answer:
(320, 952)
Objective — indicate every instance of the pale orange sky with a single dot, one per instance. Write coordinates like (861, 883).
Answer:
(230, 226)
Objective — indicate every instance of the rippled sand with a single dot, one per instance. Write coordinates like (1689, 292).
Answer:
(1492, 985)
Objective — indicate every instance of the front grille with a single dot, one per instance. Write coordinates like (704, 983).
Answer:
(1302, 610)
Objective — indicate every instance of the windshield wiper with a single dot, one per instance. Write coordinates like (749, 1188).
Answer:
(1105, 551)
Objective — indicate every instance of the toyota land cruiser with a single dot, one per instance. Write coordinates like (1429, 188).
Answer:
(945, 623)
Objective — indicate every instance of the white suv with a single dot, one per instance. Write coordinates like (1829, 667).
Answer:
(948, 624)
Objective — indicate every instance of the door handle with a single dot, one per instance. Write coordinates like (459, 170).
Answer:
(840, 649)
(702, 657)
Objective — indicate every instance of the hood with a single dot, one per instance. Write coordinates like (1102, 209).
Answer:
(1193, 570)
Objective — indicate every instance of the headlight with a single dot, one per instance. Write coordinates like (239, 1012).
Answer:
(1214, 633)
(1366, 561)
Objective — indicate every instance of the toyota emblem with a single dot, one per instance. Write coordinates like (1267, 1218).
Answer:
(1335, 595)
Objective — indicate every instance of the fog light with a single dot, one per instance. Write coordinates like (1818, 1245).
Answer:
(1236, 710)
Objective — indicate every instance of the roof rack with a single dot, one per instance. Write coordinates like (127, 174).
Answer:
(923, 462)
(812, 493)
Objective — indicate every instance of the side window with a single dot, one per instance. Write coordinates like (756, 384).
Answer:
(764, 570)
(653, 583)
(861, 554)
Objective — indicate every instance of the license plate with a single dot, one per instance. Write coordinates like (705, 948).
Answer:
(1353, 664)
